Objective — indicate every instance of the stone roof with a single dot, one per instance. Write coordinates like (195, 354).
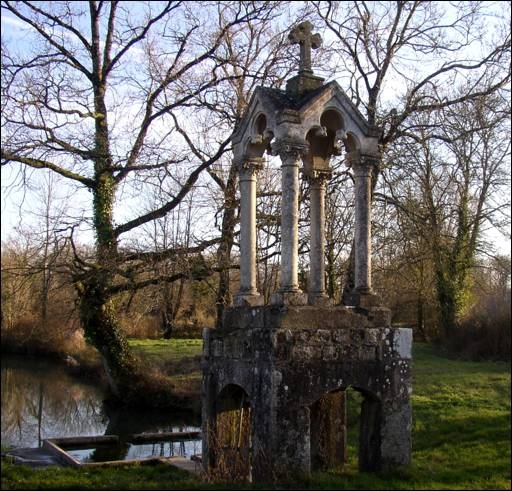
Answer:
(283, 100)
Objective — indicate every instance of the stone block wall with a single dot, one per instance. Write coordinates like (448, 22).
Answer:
(292, 365)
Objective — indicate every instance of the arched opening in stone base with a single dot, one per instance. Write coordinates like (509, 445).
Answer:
(231, 441)
(328, 431)
(345, 428)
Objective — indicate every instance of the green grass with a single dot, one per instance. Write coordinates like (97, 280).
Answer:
(461, 436)
(162, 351)
(461, 429)
(178, 358)
(135, 476)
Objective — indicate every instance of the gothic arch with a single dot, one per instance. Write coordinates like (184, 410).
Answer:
(329, 428)
(231, 440)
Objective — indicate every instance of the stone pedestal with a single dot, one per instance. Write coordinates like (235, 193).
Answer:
(362, 300)
(279, 375)
(303, 83)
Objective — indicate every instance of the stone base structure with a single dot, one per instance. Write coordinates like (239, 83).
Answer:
(275, 376)
(274, 381)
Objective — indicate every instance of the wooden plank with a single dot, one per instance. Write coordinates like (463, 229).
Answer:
(168, 437)
(60, 454)
(84, 440)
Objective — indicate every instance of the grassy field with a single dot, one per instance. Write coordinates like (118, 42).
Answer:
(162, 351)
(178, 358)
(461, 435)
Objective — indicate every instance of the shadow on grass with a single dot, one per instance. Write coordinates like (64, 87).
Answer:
(456, 431)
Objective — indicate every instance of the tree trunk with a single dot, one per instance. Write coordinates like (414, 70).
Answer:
(349, 281)
(447, 305)
(330, 270)
(420, 316)
(102, 329)
(97, 310)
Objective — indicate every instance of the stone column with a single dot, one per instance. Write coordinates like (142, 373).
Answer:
(291, 155)
(362, 166)
(248, 294)
(316, 290)
(289, 445)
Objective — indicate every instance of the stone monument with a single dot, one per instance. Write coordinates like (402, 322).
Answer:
(275, 376)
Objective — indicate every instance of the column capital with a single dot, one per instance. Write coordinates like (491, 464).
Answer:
(318, 177)
(289, 148)
(356, 159)
(249, 163)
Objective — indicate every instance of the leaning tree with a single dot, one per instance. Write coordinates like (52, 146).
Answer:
(98, 93)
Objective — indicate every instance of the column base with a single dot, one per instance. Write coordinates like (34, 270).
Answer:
(289, 297)
(319, 300)
(363, 299)
(248, 300)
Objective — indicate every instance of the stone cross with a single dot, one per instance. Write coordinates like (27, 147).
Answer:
(301, 34)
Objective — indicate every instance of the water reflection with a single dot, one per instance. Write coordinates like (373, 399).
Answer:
(126, 451)
(41, 400)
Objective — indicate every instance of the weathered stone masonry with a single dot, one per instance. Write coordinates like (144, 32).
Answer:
(274, 376)
(286, 363)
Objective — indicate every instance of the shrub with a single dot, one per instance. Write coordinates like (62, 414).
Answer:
(28, 335)
(484, 334)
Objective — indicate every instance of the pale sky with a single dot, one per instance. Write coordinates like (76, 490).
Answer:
(12, 212)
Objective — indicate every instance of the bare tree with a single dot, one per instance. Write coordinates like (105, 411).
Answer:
(172, 231)
(52, 246)
(339, 217)
(397, 60)
(449, 177)
(268, 229)
(255, 54)
(17, 292)
(96, 99)
(37, 296)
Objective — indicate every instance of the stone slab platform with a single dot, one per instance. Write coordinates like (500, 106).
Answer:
(41, 457)
(35, 457)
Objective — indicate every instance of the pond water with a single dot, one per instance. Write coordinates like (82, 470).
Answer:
(41, 400)
(129, 451)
